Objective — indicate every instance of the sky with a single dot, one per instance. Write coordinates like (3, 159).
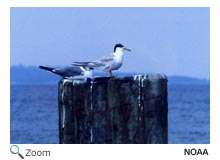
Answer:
(173, 41)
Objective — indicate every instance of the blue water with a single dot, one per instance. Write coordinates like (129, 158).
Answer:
(34, 114)
(189, 114)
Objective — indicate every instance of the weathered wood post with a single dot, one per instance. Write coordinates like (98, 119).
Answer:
(121, 110)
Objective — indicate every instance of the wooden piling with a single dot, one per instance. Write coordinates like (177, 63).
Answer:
(117, 110)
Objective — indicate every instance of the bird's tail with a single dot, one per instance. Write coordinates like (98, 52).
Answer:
(47, 68)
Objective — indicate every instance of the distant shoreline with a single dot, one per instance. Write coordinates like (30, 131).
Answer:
(20, 75)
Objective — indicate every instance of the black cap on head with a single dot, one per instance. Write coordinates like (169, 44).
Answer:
(118, 45)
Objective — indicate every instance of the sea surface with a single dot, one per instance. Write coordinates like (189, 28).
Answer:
(34, 114)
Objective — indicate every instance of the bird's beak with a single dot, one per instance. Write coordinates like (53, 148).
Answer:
(126, 49)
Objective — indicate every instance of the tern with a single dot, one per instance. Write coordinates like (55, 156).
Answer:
(108, 63)
(70, 72)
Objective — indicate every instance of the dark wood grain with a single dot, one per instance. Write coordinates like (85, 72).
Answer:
(119, 110)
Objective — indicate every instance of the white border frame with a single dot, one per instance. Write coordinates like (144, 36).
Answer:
(110, 151)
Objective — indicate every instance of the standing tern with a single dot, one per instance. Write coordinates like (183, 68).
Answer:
(108, 63)
(70, 72)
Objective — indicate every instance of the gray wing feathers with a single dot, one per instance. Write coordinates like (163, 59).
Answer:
(69, 72)
(97, 64)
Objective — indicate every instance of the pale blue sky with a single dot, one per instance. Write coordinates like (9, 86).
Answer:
(174, 41)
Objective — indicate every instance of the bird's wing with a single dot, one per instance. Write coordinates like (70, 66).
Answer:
(97, 63)
(106, 58)
(103, 61)
(83, 64)
(69, 71)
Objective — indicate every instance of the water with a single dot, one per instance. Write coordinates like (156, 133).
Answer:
(34, 114)
(189, 114)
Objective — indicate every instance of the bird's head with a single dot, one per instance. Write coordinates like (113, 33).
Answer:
(120, 47)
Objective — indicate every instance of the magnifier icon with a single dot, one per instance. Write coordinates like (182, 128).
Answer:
(15, 150)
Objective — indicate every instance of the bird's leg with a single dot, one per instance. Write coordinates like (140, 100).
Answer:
(110, 73)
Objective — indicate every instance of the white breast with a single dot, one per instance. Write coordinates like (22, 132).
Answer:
(118, 56)
(118, 60)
